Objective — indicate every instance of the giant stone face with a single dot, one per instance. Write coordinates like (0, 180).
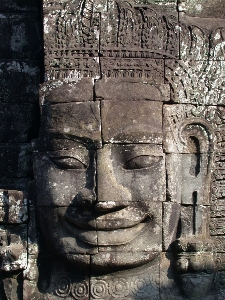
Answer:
(129, 161)
(101, 170)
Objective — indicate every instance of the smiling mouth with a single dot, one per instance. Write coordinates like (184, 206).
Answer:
(103, 235)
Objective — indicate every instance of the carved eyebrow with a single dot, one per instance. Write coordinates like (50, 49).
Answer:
(85, 141)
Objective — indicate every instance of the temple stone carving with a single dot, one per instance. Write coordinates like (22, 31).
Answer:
(116, 188)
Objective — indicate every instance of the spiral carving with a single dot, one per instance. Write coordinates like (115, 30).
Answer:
(118, 288)
(99, 289)
(63, 285)
(80, 290)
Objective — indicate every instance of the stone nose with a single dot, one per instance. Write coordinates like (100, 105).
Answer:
(110, 192)
(86, 197)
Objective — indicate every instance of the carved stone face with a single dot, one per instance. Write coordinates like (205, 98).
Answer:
(100, 176)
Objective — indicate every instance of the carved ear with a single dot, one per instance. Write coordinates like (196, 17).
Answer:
(190, 146)
(196, 138)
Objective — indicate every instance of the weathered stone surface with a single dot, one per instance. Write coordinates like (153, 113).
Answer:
(195, 263)
(189, 138)
(23, 40)
(135, 239)
(58, 280)
(171, 216)
(194, 220)
(131, 90)
(120, 166)
(112, 44)
(73, 91)
(202, 8)
(19, 5)
(132, 122)
(18, 122)
(82, 121)
(71, 175)
(131, 67)
(66, 237)
(217, 226)
(13, 251)
(20, 184)
(132, 241)
(15, 161)
(168, 288)
(193, 81)
(19, 81)
(138, 284)
(12, 285)
(13, 207)
(219, 243)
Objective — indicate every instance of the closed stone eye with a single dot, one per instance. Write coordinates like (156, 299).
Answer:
(141, 162)
(68, 163)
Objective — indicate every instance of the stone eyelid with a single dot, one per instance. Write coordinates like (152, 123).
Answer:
(142, 162)
(68, 162)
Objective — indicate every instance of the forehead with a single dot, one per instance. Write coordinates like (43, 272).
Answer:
(114, 115)
(105, 121)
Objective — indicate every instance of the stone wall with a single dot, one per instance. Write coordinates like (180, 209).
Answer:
(21, 67)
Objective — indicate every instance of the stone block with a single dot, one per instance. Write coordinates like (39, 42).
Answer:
(19, 6)
(188, 130)
(217, 44)
(217, 211)
(13, 247)
(79, 121)
(121, 238)
(73, 91)
(128, 67)
(63, 237)
(25, 40)
(168, 288)
(15, 161)
(13, 285)
(195, 221)
(219, 243)
(13, 207)
(18, 122)
(58, 280)
(130, 173)
(108, 262)
(20, 37)
(66, 177)
(220, 261)
(218, 193)
(20, 184)
(174, 177)
(71, 287)
(123, 90)
(171, 216)
(202, 8)
(141, 283)
(194, 81)
(19, 81)
(189, 138)
(216, 226)
(146, 236)
(132, 122)
(5, 38)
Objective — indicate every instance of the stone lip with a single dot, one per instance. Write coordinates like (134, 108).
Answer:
(110, 235)
(111, 219)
